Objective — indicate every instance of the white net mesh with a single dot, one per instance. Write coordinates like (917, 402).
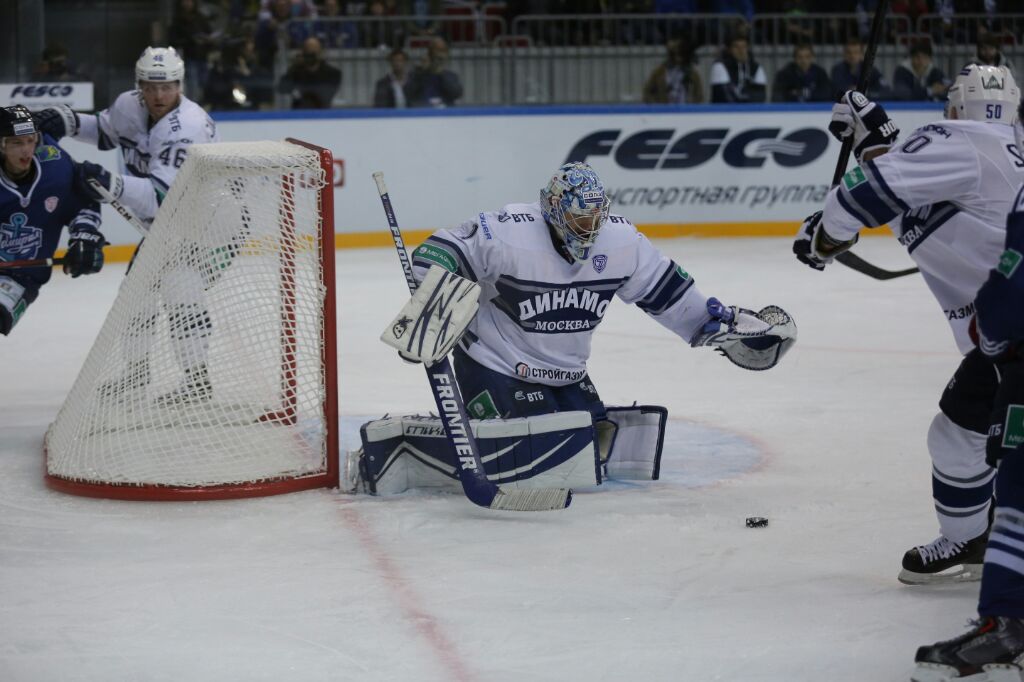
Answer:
(208, 370)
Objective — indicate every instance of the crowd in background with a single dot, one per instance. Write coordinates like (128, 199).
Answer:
(231, 48)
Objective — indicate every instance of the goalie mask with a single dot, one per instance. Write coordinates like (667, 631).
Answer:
(575, 205)
(984, 93)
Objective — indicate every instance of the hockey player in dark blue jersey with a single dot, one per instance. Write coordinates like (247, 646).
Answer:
(995, 645)
(38, 197)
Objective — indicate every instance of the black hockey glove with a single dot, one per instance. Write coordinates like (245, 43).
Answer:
(871, 127)
(112, 182)
(85, 253)
(57, 122)
(814, 247)
(1006, 433)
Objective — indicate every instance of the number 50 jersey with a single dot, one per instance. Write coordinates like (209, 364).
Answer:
(945, 191)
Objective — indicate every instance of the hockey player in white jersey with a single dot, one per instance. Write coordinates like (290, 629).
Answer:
(547, 272)
(153, 127)
(945, 191)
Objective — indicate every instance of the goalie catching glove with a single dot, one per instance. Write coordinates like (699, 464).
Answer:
(755, 341)
(434, 319)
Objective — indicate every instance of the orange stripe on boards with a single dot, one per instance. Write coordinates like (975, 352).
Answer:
(121, 253)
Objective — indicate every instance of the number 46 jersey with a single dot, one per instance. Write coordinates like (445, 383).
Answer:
(945, 192)
(153, 154)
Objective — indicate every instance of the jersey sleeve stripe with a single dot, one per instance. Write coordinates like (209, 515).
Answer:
(669, 289)
(874, 176)
(853, 208)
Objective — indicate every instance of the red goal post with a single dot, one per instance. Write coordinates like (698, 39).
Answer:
(236, 275)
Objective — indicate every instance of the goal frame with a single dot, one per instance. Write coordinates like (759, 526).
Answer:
(328, 478)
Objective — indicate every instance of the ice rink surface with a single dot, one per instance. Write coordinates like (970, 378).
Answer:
(640, 581)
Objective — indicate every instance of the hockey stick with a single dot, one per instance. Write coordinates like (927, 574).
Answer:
(118, 206)
(36, 263)
(477, 487)
(848, 258)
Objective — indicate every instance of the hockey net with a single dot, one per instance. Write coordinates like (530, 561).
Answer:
(214, 373)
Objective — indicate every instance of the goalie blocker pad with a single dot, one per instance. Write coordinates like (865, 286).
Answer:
(546, 451)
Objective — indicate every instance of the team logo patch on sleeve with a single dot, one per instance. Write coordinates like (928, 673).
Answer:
(47, 152)
(439, 256)
(1009, 262)
(1013, 429)
(599, 262)
(853, 178)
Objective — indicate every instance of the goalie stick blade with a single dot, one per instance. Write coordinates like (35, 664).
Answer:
(547, 499)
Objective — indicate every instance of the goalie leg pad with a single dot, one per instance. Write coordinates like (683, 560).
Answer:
(631, 441)
(412, 452)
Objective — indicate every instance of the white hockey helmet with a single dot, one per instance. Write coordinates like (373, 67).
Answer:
(575, 205)
(159, 64)
(984, 93)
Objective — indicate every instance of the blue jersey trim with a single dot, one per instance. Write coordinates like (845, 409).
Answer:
(562, 110)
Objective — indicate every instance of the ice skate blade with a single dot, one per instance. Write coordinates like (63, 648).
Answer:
(967, 573)
(934, 672)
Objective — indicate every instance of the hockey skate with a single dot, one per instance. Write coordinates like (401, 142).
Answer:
(195, 389)
(944, 561)
(993, 651)
(135, 378)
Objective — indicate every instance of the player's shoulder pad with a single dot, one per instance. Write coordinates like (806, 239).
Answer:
(188, 124)
(618, 231)
(513, 224)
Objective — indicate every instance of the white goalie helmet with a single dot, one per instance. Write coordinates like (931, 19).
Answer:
(984, 93)
(160, 64)
(576, 206)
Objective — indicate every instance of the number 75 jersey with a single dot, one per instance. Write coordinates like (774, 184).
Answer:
(945, 192)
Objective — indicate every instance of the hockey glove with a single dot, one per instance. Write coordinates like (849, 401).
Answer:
(871, 127)
(85, 253)
(12, 304)
(57, 121)
(1006, 433)
(814, 247)
(112, 182)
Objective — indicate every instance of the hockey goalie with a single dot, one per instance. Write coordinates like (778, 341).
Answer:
(516, 295)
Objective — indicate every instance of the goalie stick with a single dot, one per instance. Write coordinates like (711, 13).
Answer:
(35, 263)
(848, 258)
(475, 484)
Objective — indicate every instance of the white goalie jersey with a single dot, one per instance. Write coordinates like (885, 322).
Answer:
(945, 191)
(151, 156)
(538, 311)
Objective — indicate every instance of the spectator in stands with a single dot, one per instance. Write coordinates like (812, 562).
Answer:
(191, 36)
(297, 9)
(389, 93)
(53, 66)
(421, 11)
(846, 74)
(274, 19)
(676, 80)
(917, 78)
(382, 33)
(332, 30)
(311, 81)
(802, 80)
(989, 52)
(432, 84)
(736, 76)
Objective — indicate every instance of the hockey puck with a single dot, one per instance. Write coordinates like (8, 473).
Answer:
(756, 522)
